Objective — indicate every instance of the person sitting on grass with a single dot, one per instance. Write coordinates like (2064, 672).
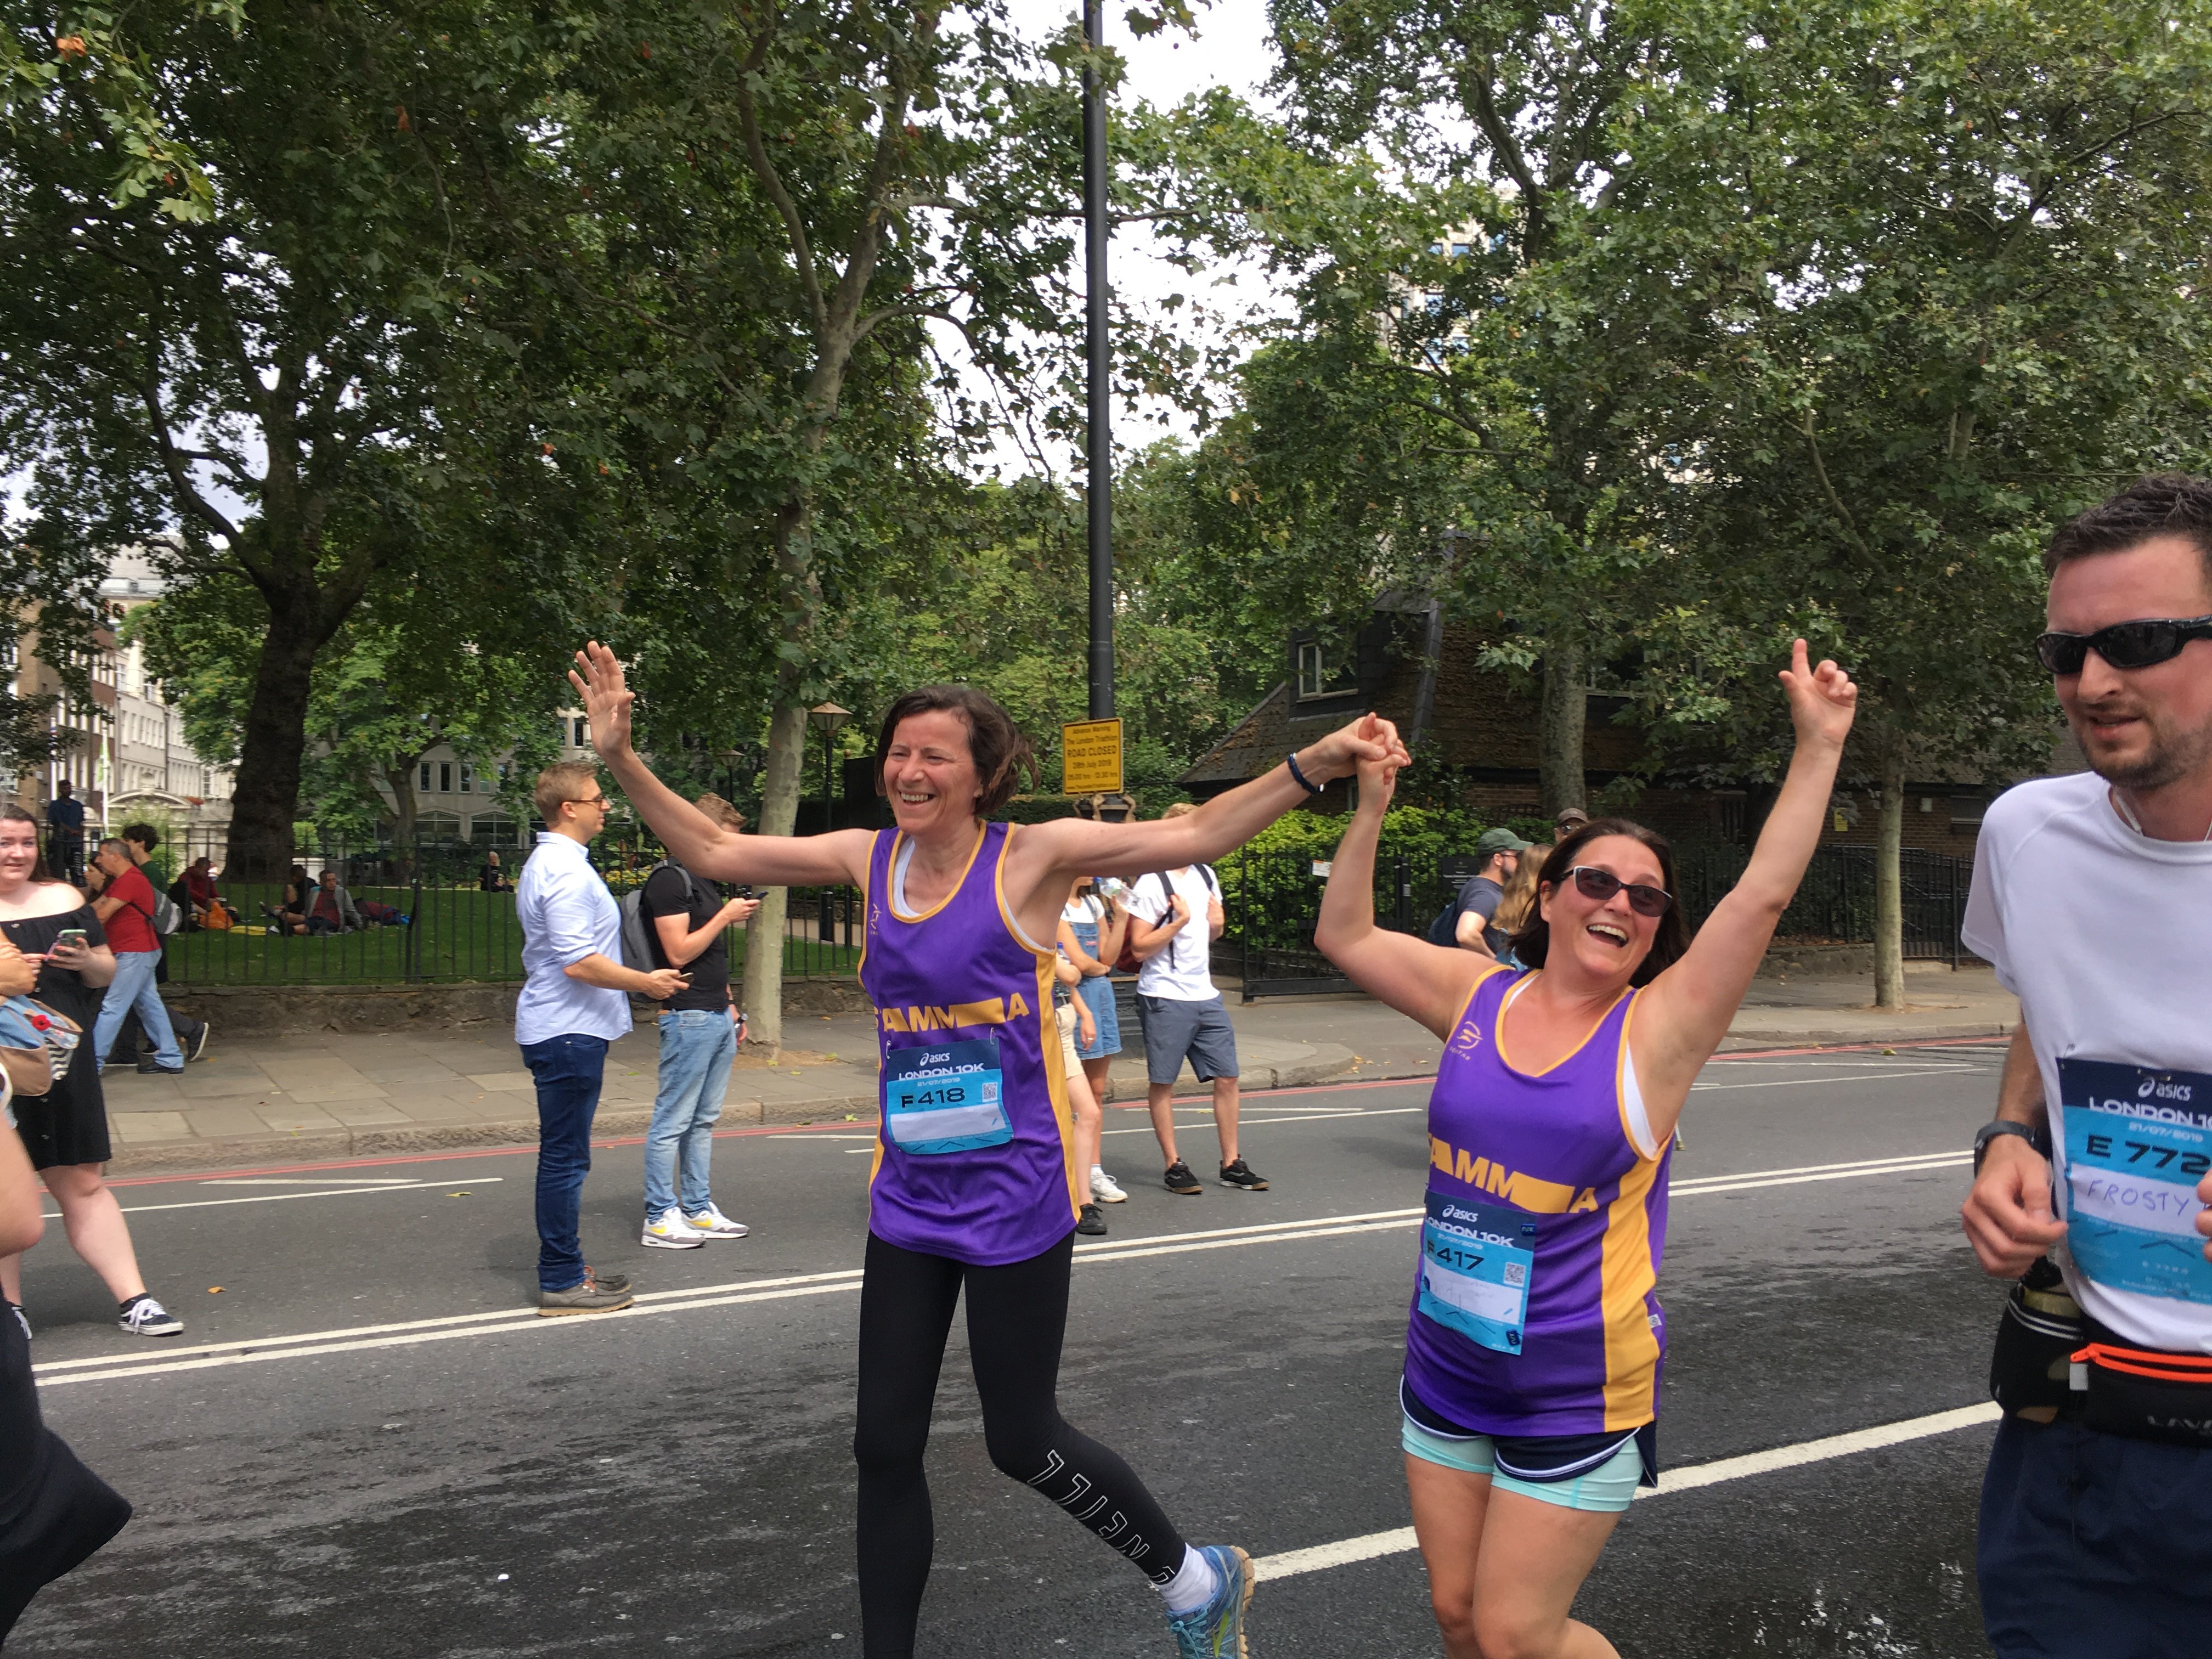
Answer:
(330, 908)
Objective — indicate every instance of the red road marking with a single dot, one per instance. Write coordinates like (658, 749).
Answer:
(823, 1128)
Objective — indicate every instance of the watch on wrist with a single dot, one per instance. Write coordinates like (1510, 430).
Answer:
(2034, 1135)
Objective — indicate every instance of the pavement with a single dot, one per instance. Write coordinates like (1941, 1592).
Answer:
(355, 1094)
(365, 1442)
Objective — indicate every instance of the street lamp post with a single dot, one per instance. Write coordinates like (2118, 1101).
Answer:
(1101, 433)
(826, 718)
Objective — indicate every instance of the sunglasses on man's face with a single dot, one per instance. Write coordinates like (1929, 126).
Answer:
(2124, 645)
(1600, 885)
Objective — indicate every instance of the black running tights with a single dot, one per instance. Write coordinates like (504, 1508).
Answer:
(1016, 1317)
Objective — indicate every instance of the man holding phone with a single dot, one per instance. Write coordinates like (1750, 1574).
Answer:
(125, 909)
(574, 1001)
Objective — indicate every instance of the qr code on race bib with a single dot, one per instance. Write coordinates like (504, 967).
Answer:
(1516, 1272)
(990, 1094)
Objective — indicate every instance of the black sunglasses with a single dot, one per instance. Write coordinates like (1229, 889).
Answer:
(1600, 885)
(2124, 645)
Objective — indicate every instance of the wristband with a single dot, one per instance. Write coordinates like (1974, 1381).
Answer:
(2034, 1135)
(1291, 760)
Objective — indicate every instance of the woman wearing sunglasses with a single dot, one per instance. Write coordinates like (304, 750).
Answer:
(1531, 1385)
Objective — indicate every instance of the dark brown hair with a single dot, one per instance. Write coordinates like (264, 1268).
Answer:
(1002, 754)
(1533, 943)
(13, 813)
(2161, 504)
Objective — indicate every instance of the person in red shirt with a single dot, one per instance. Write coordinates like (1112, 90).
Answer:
(125, 909)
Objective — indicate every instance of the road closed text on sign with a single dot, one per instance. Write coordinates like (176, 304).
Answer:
(1090, 758)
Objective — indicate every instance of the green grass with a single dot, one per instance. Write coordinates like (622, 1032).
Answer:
(459, 934)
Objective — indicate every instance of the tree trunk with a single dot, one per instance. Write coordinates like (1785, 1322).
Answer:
(781, 791)
(269, 756)
(1560, 729)
(1888, 883)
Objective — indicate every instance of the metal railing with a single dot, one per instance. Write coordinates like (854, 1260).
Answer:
(433, 913)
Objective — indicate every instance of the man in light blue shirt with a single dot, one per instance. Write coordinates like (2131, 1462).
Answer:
(574, 1001)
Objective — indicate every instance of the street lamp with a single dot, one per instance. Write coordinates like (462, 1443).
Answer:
(826, 718)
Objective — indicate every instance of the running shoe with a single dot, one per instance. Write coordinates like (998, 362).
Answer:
(711, 1223)
(21, 1318)
(1216, 1631)
(1105, 1188)
(1241, 1174)
(669, 1231)
(143, 1316)
(1179, 1179)
(195, 1046)
(1090, 1223)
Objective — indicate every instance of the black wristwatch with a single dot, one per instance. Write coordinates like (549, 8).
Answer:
(2034, 1135)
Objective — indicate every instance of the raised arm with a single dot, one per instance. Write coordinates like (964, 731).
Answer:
(1067, 847)
(1686, 1012)
(694, 840)
(1426, 982)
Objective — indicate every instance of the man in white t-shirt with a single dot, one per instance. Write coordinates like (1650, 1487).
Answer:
(2092, 897)
(1175, 916)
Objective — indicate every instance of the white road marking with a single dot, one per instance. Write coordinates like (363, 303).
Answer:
(412, 1333)
(310, 1181)
(1400, 1540)
(273, 1198)
(1808, 1082)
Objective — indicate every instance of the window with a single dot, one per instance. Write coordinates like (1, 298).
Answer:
(1312, 676)
(468, 777)
(1435, 303)
(422, 783)
(445, 777)
(580, 732)
(1436, 248)
(1461, 250)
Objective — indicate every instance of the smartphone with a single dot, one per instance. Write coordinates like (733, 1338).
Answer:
(71, 936)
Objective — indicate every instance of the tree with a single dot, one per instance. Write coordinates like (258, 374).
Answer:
(1964, 300)
(288, 387)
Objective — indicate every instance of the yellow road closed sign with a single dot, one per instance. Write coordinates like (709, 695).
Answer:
(1090, 758)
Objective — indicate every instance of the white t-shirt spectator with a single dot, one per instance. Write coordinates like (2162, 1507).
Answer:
(2101, 932)
(1184, 972)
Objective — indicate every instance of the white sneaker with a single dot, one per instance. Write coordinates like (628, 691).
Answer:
(669, 1231)
(711, 1223)
(1105, 1188)
(143, 1316)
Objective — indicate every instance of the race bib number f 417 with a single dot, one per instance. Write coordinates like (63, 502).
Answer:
(946, 1098)
(1475, 1266)
(2137, 1142)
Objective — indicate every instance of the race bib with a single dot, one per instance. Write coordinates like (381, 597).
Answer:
(1475, 1266)
(2137, 1142)
(946, 1098)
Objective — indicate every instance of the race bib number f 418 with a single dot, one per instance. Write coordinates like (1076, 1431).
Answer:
(2137, 1142)
(946, 1098)
(1475, 1268)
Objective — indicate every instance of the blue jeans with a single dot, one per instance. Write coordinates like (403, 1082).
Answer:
(696, 1048)
(133, 988)
(568, 1071)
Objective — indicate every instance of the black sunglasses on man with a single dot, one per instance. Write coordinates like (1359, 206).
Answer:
(2124, 645)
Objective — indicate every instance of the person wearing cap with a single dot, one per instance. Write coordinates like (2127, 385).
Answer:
(1500, 852)
(1569, 819)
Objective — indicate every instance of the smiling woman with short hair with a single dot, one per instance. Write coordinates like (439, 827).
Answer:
(1531, 1395)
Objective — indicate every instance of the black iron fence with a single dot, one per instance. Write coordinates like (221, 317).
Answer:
(431, 912)
(1271, 901)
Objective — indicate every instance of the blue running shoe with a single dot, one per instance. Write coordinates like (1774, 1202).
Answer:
(1216, 1631)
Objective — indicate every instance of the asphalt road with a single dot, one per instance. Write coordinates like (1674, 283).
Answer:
(366, 1444)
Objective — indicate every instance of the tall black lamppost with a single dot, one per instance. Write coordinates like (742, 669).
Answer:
(826, 718)
(1101, 433)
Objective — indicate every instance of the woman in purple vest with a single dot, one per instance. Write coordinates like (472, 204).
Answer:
(975, 1181)
(1531, 1386)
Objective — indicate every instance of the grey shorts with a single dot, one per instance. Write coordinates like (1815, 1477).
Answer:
(1174, 1029)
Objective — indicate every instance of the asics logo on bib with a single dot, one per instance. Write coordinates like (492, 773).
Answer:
(2159, 1088)
(1524, 1192)
(996, 1011)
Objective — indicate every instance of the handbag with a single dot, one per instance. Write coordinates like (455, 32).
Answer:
(37, 1043)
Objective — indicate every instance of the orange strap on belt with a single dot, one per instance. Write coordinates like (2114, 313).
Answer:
(2138, 1362)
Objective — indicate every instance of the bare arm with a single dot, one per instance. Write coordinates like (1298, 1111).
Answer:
(1686, 1012)
(694, 840)
(1466, 934)
(93, 964)
(22, 1220)
(605, 972)
(2007, 1214)
(1426, 982)
(681, 944)
(104, 907)
(18, 973)
(1149, 938)
(1111, 933)
(1070, 948)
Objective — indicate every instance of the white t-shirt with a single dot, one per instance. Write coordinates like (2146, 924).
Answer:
(1184, 972)
(2106, 936)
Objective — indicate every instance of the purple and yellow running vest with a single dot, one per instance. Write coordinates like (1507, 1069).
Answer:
(1532, 1310)
(976, 1155)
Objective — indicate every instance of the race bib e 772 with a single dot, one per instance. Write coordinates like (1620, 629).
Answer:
(1476, 1261)
(2137, 1142)
(946, 1097)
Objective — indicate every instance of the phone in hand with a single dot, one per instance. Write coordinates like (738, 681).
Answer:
(71, 936)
